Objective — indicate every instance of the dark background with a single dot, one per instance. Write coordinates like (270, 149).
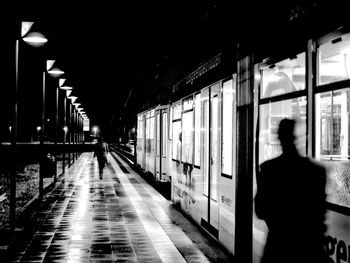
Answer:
(119, 55)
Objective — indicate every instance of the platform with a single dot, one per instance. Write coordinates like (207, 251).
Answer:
(118, 219)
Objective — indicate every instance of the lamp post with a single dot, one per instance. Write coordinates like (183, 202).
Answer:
(65, 128)
(34, 39)
(55, 72)
(95, 130)
(38, 129)
(72, 121)
(69, 128)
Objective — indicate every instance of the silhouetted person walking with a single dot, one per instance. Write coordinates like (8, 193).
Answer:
(101, 152)
(291, 199)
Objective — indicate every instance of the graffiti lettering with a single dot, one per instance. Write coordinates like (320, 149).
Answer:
(183, 194)
(337, 248)
(226, 201)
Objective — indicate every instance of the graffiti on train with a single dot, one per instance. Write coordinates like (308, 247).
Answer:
(183, 194)
(184, 174)
(337, 250)
(226, 201)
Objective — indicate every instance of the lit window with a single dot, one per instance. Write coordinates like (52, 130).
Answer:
(284, 77)
(332, 142)
(334, 60)
(270, 116)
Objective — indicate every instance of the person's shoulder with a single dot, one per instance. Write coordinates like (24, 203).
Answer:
(270, 163)
(313, 164)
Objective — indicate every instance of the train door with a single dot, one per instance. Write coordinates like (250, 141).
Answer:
(140, 149)
(143, 140)
(150, 141)
(161, 143)
(211, 157)
(158, 145)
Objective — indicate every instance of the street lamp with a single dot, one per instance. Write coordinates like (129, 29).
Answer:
(68, 93)
(68, 90)
(95, 130)
(38, 129)
(55, 72)
(35, 39)
(72, 120)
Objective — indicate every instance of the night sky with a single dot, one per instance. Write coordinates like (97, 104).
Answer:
(117, 54)
(113, 53)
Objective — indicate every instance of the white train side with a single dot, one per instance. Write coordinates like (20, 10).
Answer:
(187, 143)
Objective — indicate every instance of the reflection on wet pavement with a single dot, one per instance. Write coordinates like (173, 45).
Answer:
(113, 220)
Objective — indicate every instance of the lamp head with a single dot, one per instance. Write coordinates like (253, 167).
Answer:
(35, 39)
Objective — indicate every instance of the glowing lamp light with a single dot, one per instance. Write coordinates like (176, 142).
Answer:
(56, 72)
(35, 39)
(66, 88)
(94, 129)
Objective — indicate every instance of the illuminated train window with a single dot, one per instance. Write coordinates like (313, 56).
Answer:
(283, 77)
(197, 130)
(187, 131)
(176, 131)
(334, 60)
(270, 116)
(332, 142)
(332, 125)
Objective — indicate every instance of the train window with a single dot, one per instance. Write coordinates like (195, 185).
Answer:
(171, 123)
(214, 149)
(151, 128)
(176, 130)
(284, 77)
(139, 127)
(270, 116)
(334, 60)
(197, 130)
(205, 139)
(177, 140)
(228, 117)
(187, 132)
(147, 128)
(165, 133)
(177, 109)
(332, 137)
(158, 134)
(188, 104)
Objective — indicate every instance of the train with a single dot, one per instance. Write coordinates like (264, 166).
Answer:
(208, 142)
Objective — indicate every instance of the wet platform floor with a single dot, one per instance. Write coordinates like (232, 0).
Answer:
(118, 219)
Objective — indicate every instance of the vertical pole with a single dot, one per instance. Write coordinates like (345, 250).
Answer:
(245, 150)
(56, 133)
(70, 133)
(42, 138)
(311, 83)
(64, 133)
(75, 133)
(14, 149)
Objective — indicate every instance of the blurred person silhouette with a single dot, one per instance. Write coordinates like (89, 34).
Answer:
(291, 198)
(101, 152)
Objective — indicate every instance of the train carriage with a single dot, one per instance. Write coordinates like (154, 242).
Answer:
(200, 155)
(220, 132)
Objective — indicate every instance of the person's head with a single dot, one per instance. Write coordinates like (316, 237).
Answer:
(286, 132)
